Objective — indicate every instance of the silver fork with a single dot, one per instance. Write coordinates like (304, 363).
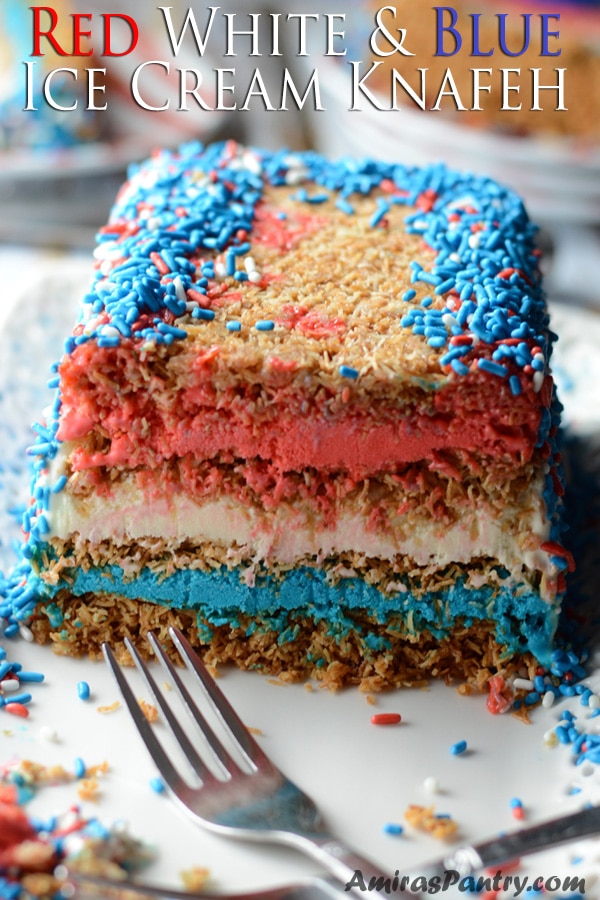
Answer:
(263, 805)
(259, 804)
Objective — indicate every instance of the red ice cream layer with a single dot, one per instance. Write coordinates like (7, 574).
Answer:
(478, 415)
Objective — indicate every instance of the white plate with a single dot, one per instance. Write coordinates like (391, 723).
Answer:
(362, 776)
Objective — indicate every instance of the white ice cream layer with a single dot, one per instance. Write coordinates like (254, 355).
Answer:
(288, 533)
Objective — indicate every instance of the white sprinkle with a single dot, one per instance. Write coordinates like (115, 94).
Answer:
(108, 251)
(26, 633)
(249, 264)
(49, 734)
(538, 380)
(254, 277)
(449, 320)
(179, 288)
(297, 171)
(548, 699)
(220, 270)
(109, 331)
(455, 257)
(474, 241)
(431, 785)
(594, 701)
(252, 162)
(523, 684)
(550, 738)
(10, 685)
(296, 176)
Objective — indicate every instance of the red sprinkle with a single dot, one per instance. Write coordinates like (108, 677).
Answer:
(159, 262)
(201, 299)
(426, 200)
(17, 709)
(497, 701)
(386, 719)
(557, 549)
(518, 812)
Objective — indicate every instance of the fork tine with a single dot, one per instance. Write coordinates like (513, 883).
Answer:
(230, 719)
(229, 764)
(191, 754)
(155, 748)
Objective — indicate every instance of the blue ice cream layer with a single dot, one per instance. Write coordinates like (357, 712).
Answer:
(524, 622)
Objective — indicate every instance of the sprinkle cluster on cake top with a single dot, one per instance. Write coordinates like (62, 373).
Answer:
(354, 267)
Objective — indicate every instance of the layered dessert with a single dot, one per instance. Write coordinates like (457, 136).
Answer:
(306, 415)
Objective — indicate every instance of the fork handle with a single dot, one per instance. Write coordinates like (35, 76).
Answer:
(356, 873)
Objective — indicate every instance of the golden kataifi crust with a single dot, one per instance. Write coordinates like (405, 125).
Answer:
(469, 655)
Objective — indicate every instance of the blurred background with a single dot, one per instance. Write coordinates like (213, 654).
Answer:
(60, 170)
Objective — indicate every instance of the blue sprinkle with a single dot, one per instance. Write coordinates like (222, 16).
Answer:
(230, 263)
(393, 828)
(531, 698)
(345, 206)
(168, 330)
(83, 690)
(383, 208)
(42, 524)
(42, 448)
(157, 785)
(79, 767)
(515, 385)
(19, 698)
(459, 367)
(200, 313)
(5, 669)
(487, 365)
(566, 690)
(33, 677)
(445, 286)
(516, 803)
(409, 295)
(348, 372)
(104, 341)
(233, 326)
(265, 325)
(59, 484)
(458, 748)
